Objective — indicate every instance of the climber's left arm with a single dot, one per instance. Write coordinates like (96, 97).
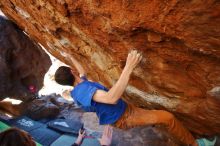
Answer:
(78, 67)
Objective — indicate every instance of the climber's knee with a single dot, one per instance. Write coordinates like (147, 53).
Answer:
(167, 117)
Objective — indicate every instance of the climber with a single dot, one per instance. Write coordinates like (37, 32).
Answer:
(111, 109)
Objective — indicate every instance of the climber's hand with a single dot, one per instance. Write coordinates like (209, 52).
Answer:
(106, 136)
(132, 60)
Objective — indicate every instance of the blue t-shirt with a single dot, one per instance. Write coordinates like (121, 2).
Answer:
(107, 113)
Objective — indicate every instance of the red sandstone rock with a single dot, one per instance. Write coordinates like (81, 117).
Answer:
(180, 64)
(154, 37)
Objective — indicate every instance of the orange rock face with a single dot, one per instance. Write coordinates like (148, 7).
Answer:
(180, 42)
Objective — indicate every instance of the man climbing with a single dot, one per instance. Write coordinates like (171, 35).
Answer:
(111, 109)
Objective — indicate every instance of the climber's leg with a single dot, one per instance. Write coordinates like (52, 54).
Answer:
(134, 116)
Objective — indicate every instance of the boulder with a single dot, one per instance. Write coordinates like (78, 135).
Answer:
(179, 40)
(40, 109)
(23, 63)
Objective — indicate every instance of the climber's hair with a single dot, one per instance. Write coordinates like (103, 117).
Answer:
(15, 136)
(64, 76)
